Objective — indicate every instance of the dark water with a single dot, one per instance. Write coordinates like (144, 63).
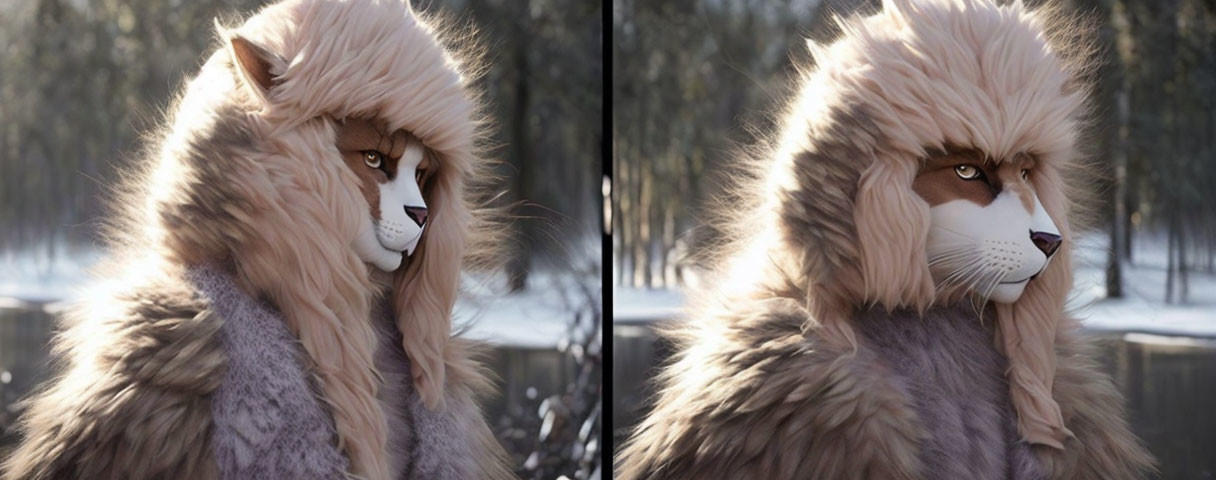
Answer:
(1169, 384)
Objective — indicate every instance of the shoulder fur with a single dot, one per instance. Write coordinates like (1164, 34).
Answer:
(764, 396)
(133, 399)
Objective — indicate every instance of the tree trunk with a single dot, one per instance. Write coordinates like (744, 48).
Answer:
(1129, 209)
(642, 245)
(1182, 268)
(1171, 258)
(517, 268)
(623, 232)
(1118, 217)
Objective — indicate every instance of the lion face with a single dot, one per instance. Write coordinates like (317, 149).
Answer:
(392, 167)
(988, 232)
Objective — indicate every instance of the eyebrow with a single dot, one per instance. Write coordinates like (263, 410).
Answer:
(397, 141)
(951, 157)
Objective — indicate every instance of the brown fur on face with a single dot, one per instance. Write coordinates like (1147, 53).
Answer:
(356, 137)
(937, 182)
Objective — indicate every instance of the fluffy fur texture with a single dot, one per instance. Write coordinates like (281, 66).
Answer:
(269, 422)
(248, 174)
(266, 419)
(146, 340)
(772, 378)
(955, 379)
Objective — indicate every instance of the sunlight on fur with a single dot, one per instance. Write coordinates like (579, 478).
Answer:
(770, 354)
(1001, 114)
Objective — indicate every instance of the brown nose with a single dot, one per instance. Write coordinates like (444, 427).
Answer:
(1047, 242)
(418, 214)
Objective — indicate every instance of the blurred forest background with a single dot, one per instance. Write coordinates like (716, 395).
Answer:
(693, 79)
(81, 81)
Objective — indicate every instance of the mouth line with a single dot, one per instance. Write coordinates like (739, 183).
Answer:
(404, 249)
(1022, 280)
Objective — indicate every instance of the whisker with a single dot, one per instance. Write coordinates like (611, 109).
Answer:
(977, 274)
(962, 276)
(992, 283)
(959, 254)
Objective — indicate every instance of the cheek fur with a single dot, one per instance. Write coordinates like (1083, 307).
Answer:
(371, 192)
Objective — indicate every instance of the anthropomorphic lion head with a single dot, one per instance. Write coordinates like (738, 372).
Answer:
(923, 162)
(325, 152)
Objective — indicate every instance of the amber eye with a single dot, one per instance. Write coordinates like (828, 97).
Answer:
(1025, 174)
(967, 172)
(373, 158)
(419, 174)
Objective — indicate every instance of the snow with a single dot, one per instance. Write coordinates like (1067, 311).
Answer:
(1143, 308)
(30, 277)
(538, 317)
(1141, 311)
(633, 305)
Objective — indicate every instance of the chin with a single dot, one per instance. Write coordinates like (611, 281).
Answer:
(1008, 293)
(390, 261)
(372, 251)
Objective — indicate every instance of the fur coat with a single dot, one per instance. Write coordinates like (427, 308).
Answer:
(821, 347)
(201, 380)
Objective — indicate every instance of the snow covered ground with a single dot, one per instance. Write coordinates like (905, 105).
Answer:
(636, 305)
(1141, 310)
(538, 317)
(34, 278)
(551, 308)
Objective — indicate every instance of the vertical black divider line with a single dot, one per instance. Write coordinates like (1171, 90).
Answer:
(606, 106)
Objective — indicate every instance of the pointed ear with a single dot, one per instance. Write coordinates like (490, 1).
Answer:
(255, 65)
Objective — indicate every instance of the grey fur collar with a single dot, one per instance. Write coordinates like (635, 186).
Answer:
(271, 423)
(947, 365)
(268, 421)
